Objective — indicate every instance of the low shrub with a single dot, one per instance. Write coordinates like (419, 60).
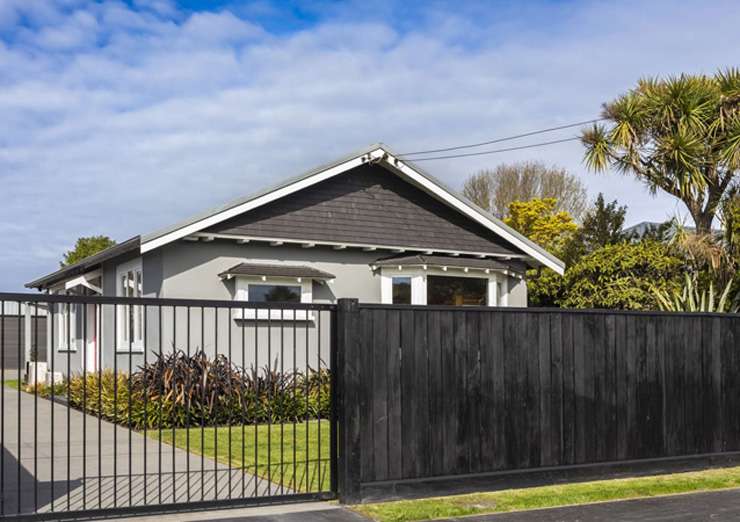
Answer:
(177, 390)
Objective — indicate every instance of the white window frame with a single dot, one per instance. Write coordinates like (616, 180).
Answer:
(287, 314)
(496, 281)
(404, 276)
(125, 313)
(66, 315)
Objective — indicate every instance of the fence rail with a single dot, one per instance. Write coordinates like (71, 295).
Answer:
(154, 404)
(438, 392)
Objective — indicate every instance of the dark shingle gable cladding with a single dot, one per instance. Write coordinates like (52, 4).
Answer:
(370, 205)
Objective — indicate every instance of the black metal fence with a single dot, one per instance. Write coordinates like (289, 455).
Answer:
(443, 392)
(156, 404)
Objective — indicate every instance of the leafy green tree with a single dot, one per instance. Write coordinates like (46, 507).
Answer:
(602, 225)
(553, 229)
(622, 276)
(85, 247)
(540, 221)
(680, 135)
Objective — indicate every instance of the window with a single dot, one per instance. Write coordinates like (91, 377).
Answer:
(274, 293)
(457, 291)
(130, 317)
(274, 290)
(401, 290)
(69, 326)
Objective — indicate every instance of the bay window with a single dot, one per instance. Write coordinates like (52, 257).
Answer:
(457, 291)
(439, 286)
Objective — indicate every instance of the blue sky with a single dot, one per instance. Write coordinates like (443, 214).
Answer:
(122, 117)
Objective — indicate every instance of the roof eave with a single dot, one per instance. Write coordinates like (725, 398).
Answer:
(85, 265)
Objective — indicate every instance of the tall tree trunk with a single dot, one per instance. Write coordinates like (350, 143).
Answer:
(703, 221)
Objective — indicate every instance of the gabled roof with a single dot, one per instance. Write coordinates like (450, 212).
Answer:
(378, 153)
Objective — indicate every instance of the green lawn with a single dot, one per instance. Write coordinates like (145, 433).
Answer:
(551, 496)
(303, 473)
(12, 383)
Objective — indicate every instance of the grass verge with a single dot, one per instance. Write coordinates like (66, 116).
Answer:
(12, 383)
(297, 458)
(551, 496)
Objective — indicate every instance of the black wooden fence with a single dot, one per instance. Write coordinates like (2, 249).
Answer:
(434, 391)
(14, 330)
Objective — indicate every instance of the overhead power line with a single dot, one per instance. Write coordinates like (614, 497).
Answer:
(507, 138)
(494, 151)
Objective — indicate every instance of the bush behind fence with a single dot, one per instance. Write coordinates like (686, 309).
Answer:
(178, 391)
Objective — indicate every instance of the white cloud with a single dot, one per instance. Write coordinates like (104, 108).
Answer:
(120, 121)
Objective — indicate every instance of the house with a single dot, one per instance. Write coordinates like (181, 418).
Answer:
(370, 226)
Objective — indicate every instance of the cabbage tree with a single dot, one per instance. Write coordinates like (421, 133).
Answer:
(680, 135)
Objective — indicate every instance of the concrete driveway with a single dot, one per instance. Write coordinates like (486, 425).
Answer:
(85, 473)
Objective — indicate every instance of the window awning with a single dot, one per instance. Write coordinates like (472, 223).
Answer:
(446, 261)
(263, 270)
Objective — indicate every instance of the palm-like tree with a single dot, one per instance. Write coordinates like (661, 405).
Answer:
(680, 135)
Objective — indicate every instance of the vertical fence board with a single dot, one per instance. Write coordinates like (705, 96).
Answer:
(545, 357)
(487, 393)
(693, 386)
(462, 404)
(368, 342)
(394, 394)
(409, 396)
(436, 394)
(556, 388)
(610, 380)
(512, 390)
(449, 395)
(421, 445)
(498, 369)
(598, 350)
(380, 393)
(569, 390)
(473, 390)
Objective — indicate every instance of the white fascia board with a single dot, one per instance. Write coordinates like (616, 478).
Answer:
(469, 211)
(257, 202)
(84, 280)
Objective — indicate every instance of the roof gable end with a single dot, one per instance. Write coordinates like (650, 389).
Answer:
(375, 154)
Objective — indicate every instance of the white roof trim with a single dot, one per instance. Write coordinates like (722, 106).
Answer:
(377, 153)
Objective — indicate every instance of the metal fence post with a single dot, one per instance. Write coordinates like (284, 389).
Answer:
(348, 399)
